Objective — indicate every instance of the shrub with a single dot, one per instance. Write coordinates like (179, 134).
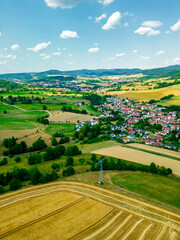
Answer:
(55, 166)
(15, 184)
(1, 189)
(69, 161)
(72, 151)
(4, 162)
(17, 159)
(34, 159)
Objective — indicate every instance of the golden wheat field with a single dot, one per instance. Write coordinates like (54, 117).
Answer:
(146, 95)
(139, 157)
(69, 210)
(63, 117)
(156, 149)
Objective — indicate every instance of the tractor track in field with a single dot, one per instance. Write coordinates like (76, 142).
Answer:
(130, 219)
(41, 218)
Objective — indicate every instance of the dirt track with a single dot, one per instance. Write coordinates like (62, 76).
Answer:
(97, 214)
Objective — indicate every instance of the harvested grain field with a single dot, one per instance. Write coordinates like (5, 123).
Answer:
(139, 157)
(156, 149)
(68, 210)
(63, 117)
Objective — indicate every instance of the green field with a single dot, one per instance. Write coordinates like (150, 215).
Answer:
(15, 124)
(66, 128)
(163, 189)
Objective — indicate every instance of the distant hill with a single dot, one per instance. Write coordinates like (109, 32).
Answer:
(169, 71)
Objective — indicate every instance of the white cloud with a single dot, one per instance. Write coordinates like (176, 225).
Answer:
(142, 30)
(40, 46)
(98, 19)
(113, 22)
(106, 2)
(46, 57)
(167, 32)
(93, 50)
(111, 59)
(90, 17)
(5, 49)
(96, 44)
(176, 26)
(71, 3)
(42, 55)
(145, 58)
(57, 53)
(58, 49)
(147, 30)
(15, 47)
(153, 32)
(71, 63)
(64, 49)
(12, 57)
(70, 55)
(176, 60)
(126, 24)
(152, 24)
(62, 3)
(160, 52)
(0, 34)
(69, 34)
(3, 62)
(120, 54)
(135, 51)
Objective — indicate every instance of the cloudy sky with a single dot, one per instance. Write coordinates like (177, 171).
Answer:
(38, 35)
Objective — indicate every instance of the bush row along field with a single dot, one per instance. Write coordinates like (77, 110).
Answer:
(64, 208)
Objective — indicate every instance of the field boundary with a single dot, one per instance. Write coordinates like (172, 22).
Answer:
(152, 152)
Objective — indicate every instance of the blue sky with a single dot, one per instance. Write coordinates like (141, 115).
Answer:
(38, 35)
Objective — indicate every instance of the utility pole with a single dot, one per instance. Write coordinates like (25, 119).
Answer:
(101, 181)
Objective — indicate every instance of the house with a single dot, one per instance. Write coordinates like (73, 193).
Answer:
(148, 142)
(159, 139)
(158, 144)
(125, 140)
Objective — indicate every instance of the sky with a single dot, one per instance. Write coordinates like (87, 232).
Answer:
(38, 35)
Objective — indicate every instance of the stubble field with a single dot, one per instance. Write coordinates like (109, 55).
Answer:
(67, 210)
(139, 157)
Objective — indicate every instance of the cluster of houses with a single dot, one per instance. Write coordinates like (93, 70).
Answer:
(92, 122)
(133, 112)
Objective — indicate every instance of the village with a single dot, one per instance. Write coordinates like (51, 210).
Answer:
(140, 122)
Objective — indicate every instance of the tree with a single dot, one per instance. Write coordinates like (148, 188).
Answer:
(153, 168)
(93, 157)
(44, 107)
(17, 159)
(1, 189)
(15, 184)
(4, 162)
(34, 159)
(55, 166)
(72, 150)
(35, 176)
(39, 144)
(54, 142)
(69, 161)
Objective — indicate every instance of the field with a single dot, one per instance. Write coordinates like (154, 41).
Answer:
(139, 157)
(68, 210)
(64, 117)
(156, 149)
(146, 95)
